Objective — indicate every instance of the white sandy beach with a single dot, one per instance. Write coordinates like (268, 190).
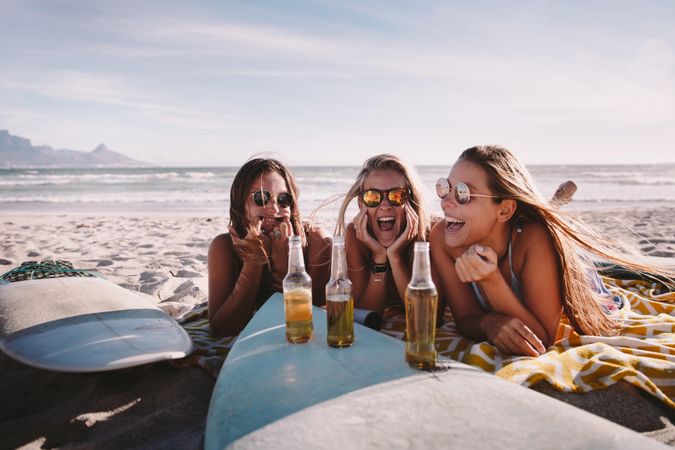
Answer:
(165, 258)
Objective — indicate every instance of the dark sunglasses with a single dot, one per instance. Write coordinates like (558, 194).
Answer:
(462, 192)
(373, 197)
(262, 198)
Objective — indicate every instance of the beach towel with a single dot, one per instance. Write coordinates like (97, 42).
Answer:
(643, 354)
(209, 351)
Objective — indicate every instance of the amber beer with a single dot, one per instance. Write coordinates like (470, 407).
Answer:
(421, 300)
(339, 300)
(297, 295)
(340, 312)
(298, 307)
(420, 318)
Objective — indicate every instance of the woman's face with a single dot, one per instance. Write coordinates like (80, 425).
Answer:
(386, 222)
(276, 210)
(472, 222)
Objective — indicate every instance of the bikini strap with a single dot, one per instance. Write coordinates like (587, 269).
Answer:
(513, 275)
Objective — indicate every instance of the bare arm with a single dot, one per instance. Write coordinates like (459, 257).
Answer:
(496, 289)
(540, 308)
(507, 333)
(458, 295)
(369, 291)
(442, 301)
(232, 298)
(540, 279)
(397, 254)
(318, 264)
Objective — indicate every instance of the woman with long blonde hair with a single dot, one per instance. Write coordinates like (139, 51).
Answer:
(379, 240)
(511, 263)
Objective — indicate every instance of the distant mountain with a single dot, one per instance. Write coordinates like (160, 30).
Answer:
(18, 152)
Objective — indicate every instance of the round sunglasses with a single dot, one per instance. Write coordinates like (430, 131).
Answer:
(262, 198)
(462, 192)
(373, 197)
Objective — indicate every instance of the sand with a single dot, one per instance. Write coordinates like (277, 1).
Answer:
(159, 406)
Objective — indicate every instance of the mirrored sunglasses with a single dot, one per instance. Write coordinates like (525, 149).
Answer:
(262, 198)
(462, 192)
(373, 197)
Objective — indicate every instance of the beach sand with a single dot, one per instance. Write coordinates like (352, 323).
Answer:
(159, 406)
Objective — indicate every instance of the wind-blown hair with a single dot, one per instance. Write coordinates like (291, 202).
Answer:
(508, 178)
(250, 173)
(387, 162)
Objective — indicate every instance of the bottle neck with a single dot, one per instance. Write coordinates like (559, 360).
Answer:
(421, 270)
(296, 261)
(338, 264)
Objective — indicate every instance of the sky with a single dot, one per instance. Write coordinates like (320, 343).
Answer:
(210, 83)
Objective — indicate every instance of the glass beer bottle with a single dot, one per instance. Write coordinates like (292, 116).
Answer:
(339, 300)
(421, 300)
(297, 295)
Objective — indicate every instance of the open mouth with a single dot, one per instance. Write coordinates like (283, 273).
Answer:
(386, 223)
(453, 224)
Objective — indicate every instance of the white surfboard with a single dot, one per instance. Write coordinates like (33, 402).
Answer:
(271, 394)
(85, 325)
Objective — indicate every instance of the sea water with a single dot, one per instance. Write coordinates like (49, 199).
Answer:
(205, 190)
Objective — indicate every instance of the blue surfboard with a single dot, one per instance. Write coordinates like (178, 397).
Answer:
(271, 394)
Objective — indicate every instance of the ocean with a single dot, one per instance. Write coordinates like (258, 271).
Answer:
(204, 191)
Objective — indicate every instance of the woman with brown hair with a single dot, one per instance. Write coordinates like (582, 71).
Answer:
(248, 264)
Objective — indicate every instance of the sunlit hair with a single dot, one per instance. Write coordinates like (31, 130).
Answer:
(246, 180)
(382, 163)
(510, 179)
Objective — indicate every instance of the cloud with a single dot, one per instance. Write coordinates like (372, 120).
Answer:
(105, 94)
(387, 72)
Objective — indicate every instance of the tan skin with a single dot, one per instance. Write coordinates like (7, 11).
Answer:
(232, 298)
(368, 241)
(471, 244)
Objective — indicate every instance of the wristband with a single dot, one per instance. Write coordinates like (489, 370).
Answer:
(379, 268)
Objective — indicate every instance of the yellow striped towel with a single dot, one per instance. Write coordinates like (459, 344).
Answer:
(643, 354)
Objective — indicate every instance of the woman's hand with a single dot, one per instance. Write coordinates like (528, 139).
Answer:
(362, 234)
(278, 238)
(510, 335)
(476, 264)
(254, 246)
(408, 234)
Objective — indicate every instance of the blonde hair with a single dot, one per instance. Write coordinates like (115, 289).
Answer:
(381, 163)
(508, 178)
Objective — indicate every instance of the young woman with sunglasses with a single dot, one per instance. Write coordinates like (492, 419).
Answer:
(510, 262)
(379, 241)
(248, 264)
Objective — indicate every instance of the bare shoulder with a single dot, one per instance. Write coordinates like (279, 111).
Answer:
(221, 245)
(318, 237)
(533, 241)
(317, 234)
(533, 234)
(318, 243)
